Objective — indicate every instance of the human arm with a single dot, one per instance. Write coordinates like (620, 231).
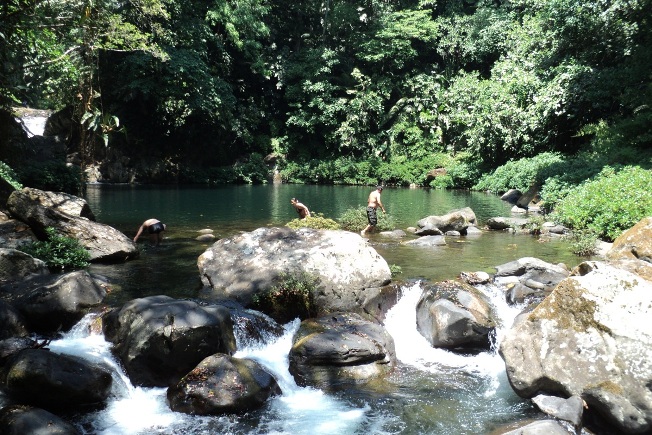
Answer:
(140, 231)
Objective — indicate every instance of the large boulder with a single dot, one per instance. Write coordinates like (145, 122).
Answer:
(222, 384)
(590, 337)
(454, 314)
(59, 201)
(16, 265)
(22, 420)
(159, 339)
(340, 349)
(529, 278)
(634, 244)
(455, 220)
(54, 302)
(241, 266)
(40, 210)
(52, 381)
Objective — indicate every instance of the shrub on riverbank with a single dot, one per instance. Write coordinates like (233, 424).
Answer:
(398, 171)
(355, 219)
(9, 175)
(609, 204)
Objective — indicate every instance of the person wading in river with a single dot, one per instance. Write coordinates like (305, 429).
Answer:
(155, 230)
(372, 204)
(302, 210)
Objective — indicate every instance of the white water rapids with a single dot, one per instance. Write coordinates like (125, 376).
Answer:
(299, 410)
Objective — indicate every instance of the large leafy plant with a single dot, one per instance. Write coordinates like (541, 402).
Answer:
(59, 252)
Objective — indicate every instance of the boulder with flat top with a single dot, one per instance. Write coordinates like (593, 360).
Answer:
(348, 270)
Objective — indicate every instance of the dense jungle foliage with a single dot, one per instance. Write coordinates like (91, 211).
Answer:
(494, 94)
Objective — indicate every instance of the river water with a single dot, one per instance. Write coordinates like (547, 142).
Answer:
(432, 391)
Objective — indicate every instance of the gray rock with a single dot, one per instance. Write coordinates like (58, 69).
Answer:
(511, 196)
(396, 234)
(455, 220)
(346, 266)
(51, 381)
(53, 302)
(503, 223)
(475, 278)
(12, 323)
(529, 276)
(159, 339)
(22, 420)
(427, 241)
(340, 349)
(16, 265)
(15, 234)
(590, 337)
(454, 314)
(222, 384)
(541, 427)
(569, 410)
(104, 243)
(205, 238)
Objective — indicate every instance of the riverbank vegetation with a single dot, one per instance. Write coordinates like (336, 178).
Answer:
(487, 95)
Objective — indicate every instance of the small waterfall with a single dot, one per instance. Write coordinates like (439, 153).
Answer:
(34, 124)
(136, 410)
(414, 350)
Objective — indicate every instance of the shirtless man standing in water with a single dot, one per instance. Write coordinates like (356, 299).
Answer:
(372, 204)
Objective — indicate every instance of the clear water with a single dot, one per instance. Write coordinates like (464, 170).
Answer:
(172, 268)
(432, 391)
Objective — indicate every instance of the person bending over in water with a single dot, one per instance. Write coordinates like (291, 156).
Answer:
(155, 230)
(302, 210)
(372, 204)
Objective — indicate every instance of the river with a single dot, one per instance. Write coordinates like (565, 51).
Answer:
(432, 391)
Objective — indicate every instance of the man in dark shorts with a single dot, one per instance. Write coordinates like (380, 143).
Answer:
(155, 230)
(372, 204)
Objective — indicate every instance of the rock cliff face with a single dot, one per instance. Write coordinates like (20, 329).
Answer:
(590, 337)
(349, 270)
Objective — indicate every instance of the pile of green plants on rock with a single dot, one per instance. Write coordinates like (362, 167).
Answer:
(289, 298)
(316, 221)
(60, 253)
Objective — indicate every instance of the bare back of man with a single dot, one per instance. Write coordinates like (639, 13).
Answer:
(373, 202)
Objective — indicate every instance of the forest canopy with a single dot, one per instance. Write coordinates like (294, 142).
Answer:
(341, 91)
